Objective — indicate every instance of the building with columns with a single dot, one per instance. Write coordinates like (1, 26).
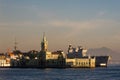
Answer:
(76, 57)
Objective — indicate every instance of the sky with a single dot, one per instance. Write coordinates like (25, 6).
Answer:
(89, 23)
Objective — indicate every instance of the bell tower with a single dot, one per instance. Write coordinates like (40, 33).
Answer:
(44, 43)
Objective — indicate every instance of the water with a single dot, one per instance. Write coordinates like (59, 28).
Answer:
(109, 73)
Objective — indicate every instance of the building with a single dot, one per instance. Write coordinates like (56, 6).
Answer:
(4, 62)
(50, 59)
(76, 57)
(80, 62)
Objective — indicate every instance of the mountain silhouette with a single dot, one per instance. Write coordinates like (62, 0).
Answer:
(103, 51)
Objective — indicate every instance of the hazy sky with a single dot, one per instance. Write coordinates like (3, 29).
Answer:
(91, 23)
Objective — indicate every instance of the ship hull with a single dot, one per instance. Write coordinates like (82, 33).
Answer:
(101, 61)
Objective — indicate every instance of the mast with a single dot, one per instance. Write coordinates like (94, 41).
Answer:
(15, 45)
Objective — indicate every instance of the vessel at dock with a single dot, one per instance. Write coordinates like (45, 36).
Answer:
(101, 61)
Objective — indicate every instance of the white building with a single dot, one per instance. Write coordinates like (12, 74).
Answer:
(4, 62)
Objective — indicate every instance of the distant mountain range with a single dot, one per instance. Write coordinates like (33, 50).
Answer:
(104, 51)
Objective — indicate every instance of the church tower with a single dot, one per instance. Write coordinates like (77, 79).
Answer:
(44, 43)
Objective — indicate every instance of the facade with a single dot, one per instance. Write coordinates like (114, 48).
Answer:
(76, 57)
(81, 62)
(55, 59)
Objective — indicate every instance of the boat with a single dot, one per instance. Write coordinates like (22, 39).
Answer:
(101, 61)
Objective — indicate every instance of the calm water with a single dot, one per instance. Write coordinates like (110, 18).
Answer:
(109, 73)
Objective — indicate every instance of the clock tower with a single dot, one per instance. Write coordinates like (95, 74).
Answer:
(44, 43)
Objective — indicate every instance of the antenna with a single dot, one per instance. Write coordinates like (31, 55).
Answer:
(15, 47)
